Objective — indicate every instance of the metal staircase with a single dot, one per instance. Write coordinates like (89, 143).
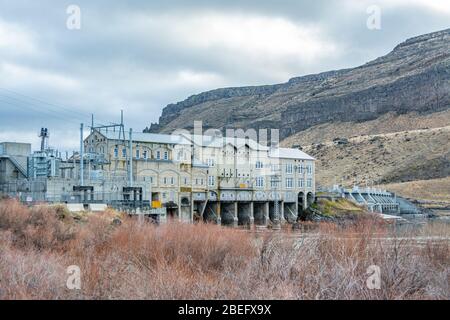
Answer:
(17, 164)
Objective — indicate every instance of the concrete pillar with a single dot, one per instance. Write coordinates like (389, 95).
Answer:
(192, 209)
(235, 214)
(218, 213)
(266, 213)
(252, 215)
(180, 209)
(282, 218)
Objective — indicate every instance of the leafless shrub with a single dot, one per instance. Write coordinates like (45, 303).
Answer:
(31, 275)
(41, 227)
(183, 261)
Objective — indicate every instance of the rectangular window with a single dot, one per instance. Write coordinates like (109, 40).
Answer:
(301, 169)
(301, 183)
(259, 165)
(116, 153)
(309, 169)
(185, 181)
(124, 152)
(274, 183)
(166, 155)
(289, 168)
(211, 181)
(309, 183)
(165, 180)
(289, 183)
(259, 182)
(138, 153)
(145, 153)
(210, 162)
(201, 182)
(158, 155)
(172, 181)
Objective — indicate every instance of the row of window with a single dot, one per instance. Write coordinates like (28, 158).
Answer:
(289, 167)
(260, 165)
(301, 169)
(259, 182)
(171, 181)
(289, 183)
(145, 154)
(198, 181)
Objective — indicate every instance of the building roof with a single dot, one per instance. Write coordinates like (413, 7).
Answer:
(286, 153)
(219, 142)
(148, 137)
(210, 141)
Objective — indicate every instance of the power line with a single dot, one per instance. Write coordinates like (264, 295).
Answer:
(38, 108)
(66, 113)
(46, 102)
(41, 112)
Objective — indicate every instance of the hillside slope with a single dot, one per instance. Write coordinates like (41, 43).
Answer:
(384, 158)
(414, 77)
(394, 111)
(387, 123)
(435, 191)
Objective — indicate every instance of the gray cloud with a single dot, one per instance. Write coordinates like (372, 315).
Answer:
(142, 55)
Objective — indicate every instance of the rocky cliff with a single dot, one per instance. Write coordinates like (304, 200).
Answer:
(414, 77)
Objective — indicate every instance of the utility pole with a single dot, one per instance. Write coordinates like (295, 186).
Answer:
(130, 166)
(74, 170)
(81, 156)
(122, 128)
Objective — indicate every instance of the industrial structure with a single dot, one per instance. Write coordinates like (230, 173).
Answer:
(13, 161)
(374, 199)
(189, 177)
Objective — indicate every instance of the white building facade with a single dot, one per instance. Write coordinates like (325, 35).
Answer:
(231, 181)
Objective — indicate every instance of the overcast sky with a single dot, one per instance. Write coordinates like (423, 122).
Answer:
(142, 55)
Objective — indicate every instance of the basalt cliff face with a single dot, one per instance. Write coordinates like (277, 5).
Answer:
(413, 78)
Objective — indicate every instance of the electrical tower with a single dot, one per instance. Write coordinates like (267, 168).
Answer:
(44, 135)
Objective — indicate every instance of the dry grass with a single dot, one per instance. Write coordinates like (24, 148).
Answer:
(180, 261)
(436, 190)
(385, 158)
(385, 124)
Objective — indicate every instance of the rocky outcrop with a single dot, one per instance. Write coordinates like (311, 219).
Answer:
(414, 77)
(426, 92)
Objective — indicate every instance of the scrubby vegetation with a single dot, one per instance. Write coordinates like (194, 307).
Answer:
(339, 207)
(183, 261)
(435, 190)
